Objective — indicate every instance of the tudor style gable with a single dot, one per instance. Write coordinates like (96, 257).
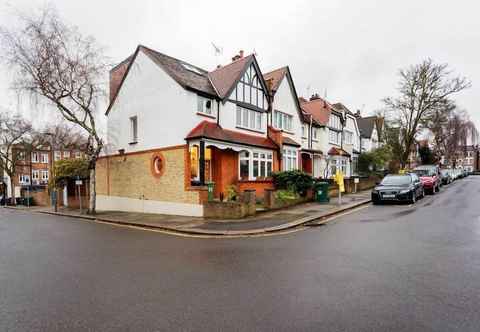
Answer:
(250, 89)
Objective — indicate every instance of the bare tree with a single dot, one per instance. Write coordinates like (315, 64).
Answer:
(423, 89)
(15, 133)
(53, 62)
(458, 131)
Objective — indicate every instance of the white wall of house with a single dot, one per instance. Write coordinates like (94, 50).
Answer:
(116, 203)
(165, 111)
(369, 144)
(284, 101)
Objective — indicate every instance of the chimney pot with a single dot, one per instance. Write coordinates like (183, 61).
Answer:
(241, 53)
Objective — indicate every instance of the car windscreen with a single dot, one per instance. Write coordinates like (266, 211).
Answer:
(396, 180)
(424, 172)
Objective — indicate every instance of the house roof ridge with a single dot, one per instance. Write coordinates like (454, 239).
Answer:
(231, 63)
(173, 58)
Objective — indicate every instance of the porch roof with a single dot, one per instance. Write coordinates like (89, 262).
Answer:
(338, 152)
(312, 151)
(207, 129)
(289, 141)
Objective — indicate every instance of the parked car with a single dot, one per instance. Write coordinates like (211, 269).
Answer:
(430, 177)
(446, 176)
(398, 187)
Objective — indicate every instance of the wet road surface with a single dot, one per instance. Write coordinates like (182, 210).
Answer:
(382, 268)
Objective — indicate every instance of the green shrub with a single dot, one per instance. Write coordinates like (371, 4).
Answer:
(286, 195)
(232, 193)
(295, 181)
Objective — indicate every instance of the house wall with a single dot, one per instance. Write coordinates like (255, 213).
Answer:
(285, 102)
(127, 183)
(165, 111)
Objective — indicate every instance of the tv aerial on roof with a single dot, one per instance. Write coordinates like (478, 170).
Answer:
(217, 49)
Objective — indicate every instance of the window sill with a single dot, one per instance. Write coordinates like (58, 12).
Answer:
(133, 143)
(207, 115)
(248, 129)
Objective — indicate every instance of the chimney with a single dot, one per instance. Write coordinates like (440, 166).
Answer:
(357, 114)
(314, 96)
(237, 56)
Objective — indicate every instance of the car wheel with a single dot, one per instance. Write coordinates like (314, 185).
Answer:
(422, 195)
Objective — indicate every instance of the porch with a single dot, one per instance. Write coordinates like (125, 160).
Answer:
(233, 168)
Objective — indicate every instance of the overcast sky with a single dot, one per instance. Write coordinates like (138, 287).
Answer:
(350, 50)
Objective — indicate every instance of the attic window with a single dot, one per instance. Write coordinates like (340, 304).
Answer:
(205, 106)
(192, 68)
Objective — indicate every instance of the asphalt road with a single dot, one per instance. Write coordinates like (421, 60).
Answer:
(383, 268)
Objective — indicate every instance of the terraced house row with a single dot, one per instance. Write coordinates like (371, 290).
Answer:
(173, 127)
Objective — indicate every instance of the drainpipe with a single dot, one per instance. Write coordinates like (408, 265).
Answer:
(202, 163)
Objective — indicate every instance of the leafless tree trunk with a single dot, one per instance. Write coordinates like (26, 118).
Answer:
(15, 132)
(53, 61)
(423, 89)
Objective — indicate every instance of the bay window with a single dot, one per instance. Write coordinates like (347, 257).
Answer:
(244, 160)
(289, 159)
(334, 137)
(255, 164)
(348, 137)
(249, 119)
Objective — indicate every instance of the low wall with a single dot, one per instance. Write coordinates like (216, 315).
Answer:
(271, 201)
(245, 206)
(115, 203)
(365, 183)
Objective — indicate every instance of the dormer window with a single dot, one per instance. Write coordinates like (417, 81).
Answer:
(205, 106)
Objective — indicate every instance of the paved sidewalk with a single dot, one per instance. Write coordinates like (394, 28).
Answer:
(263, 222)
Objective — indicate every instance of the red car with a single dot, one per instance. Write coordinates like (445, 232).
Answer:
(430, 178)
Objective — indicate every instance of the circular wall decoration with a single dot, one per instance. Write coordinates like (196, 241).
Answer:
(157, 165)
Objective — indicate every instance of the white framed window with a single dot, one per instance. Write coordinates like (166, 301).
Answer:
(20, 155)
(262, 164)
(343, 163)
(133, 129)
(24, 179)
(249, 119)
(315, 134)
(304, 131)
(35, 157)
(57, 155)
(66, 154)
(283, 121)
(44, 176)
(348, 137)
(244, 165)
(35, 175)
(44, 158)
(78, 154)
(205, 106)
(255, 164)
(334, 122)
(334, 137)
(289, 160)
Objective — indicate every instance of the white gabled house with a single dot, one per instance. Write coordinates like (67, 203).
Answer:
(369, 132)
(174, 127)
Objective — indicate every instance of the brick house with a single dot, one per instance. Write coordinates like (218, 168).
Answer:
(33, 171)
(173, 127)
